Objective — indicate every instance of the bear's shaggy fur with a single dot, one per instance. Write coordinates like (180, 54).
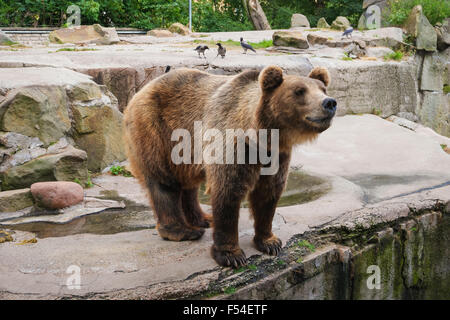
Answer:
(259, 100)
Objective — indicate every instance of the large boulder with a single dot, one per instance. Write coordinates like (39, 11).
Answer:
(421, 29)
(341, 23)
(299, 20)
(180, 29)
(57, 195)
(85, 34)
(99, 132)
(290, 39)
(14, 200)
(36, 111)
(443, 35)
(160, 33)
(323, 24)
(314, 39)
(47, 110)
(69, 165)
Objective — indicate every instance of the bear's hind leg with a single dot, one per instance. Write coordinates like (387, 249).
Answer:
(192, 211)
(263, 202)
(166, 201)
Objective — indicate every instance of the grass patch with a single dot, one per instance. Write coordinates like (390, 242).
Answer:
(396, 56)
(120, 171)
(347, 57)
(376, 112)
(443, 146)
(306, 244)
(229, 290)
(446, 89)
(75, 49)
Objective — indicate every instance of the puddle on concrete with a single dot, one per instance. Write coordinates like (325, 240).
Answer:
(106, 222)
(301, 188)
(371, 182)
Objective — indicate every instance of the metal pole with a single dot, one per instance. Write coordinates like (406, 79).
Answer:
(190, 15)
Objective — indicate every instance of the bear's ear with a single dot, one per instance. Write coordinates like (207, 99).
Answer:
(271, 78)
(322, 74)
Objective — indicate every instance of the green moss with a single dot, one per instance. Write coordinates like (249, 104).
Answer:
(395, 56)
(306, 244)
(229, 290)
(446, 89)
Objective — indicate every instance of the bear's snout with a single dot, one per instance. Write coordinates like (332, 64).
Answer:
(329, 105)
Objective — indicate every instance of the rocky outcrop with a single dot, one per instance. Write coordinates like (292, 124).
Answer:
(70, 164)
(47, 116)
(85, 34)
(14, 200)
(57, 195)
(341, 23)
(160, 33)
(443, 35)
(421, 29)
(290, 39)
(180, 29)
(299, 20)
(323, 24)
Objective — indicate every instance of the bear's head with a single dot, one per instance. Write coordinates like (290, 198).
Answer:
(296, 102)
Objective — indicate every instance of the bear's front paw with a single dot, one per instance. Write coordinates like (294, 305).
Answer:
(204, 222)
(234, 258)
(270, 246)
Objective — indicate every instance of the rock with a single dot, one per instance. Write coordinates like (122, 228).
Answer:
(37, 111)
(57, 195)
(180, 29)
(341, 23)
(85, 34)
(14, 200)
(68, 165)
(299, 20)
(435, 112)
(443, 35)
(290, 39)
(323, 24)
(160, 33)
(420, 28)
(378, 52)
(47, 109)
(99, 133)
(356, 49)
(314, 39)
(432, 75)
(4, 39)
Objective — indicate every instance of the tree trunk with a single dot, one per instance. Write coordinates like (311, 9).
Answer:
(256, 14)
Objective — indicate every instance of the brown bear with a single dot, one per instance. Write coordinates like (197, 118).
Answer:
(297, 106)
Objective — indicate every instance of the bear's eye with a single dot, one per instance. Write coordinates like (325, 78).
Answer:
(300, 91)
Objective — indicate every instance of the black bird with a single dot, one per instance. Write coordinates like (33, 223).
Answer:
(348, 32)
(167, 69)
(222, 51)
(246, 46)
(201, 50)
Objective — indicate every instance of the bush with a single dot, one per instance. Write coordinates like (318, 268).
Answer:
(435, 10)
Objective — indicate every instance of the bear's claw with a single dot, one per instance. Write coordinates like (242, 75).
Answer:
(225, 258)
(271, 246)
